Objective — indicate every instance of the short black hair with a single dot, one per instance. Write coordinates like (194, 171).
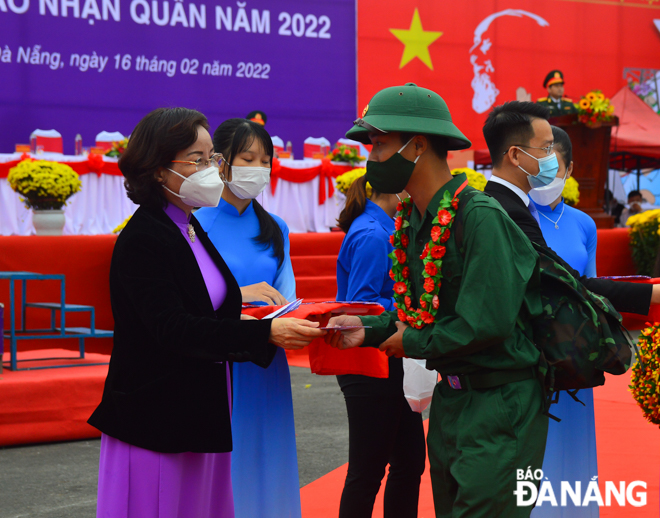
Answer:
(511, 123)
(153, 144)
(563, 145)
(438, 144)
(634, 193)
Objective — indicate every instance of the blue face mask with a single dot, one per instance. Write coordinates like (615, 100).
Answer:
(548, 167)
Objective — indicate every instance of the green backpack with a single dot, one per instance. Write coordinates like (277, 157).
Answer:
(579, 333)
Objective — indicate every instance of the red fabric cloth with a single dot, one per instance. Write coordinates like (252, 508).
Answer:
(613, 253)
(482, 157)
(326, 360)
(94, 164)
(50, 404)
(613, 258)
(616, 33)
(327, 170)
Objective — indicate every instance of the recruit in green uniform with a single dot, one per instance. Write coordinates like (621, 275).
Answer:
(555, 100)
(465, 302)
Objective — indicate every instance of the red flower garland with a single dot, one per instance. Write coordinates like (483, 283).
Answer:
(432, 256)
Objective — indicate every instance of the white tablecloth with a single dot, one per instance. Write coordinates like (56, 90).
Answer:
(98, 208)
(298, 203)
(102, 204)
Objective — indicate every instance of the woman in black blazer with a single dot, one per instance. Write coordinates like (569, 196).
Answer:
(166, 407)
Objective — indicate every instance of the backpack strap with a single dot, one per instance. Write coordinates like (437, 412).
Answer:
(458, 225)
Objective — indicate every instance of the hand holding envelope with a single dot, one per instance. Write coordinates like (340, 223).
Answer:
(345, 332)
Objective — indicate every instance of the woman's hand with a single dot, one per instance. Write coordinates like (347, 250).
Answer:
(349, 337)
(248, 317)
(293, 333)
(262, 292)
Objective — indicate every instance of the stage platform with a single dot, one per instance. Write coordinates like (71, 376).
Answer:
(51, 404)
(54, 404)
(85, 260)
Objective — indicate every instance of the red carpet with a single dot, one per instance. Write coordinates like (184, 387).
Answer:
(628, 446)
(51, 404)
(320, 499)
(628, 450)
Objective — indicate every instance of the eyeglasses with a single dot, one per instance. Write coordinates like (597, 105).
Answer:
(548, 150)
(200, 164)
(367, 126)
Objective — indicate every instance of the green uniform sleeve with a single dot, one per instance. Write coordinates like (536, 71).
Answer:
(497, 267)
(382, 327)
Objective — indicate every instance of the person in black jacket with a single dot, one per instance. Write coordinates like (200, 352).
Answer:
(165, 413)
(518, 135)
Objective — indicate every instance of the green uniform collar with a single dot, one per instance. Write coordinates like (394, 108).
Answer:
(416, 219)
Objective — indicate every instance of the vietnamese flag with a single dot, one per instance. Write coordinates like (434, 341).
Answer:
(480, 53)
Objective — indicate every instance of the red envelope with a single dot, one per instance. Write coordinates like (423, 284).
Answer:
(326, 360)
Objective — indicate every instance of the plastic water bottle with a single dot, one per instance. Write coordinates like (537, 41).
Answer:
(79, 146)
(289, 149)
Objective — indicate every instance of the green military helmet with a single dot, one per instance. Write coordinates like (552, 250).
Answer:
(408, 109)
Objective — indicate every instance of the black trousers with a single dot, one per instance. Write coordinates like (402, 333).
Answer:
(382, 430)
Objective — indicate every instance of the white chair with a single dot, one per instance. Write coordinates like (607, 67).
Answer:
(105, 139)
(313, 146)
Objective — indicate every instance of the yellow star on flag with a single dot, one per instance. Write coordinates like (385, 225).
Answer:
(416, 41)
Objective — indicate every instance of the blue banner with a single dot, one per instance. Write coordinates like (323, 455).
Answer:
(85, 66)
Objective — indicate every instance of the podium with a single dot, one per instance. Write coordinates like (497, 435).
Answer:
(591, 156)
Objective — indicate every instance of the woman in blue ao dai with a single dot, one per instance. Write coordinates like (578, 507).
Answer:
(255, 246)
(570, 453)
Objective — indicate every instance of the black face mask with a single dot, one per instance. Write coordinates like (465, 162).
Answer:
(392, 175)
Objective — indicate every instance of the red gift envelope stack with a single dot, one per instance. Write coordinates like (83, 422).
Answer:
(326, 360)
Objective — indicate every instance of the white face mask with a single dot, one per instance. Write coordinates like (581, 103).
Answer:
(200, 189)
(546, 195)
(248, 182)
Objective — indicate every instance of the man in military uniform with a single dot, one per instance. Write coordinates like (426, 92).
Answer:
(257, 116)
(475, 329)
(555, 101)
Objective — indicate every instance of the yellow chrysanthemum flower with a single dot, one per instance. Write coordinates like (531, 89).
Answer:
(121, 226)
(571, 192)
(44, 184)
(644, 239)
(344, 181)
(475, 179)
(646, 373)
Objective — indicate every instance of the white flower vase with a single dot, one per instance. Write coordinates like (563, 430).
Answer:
(48, 222)
(340, 200)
